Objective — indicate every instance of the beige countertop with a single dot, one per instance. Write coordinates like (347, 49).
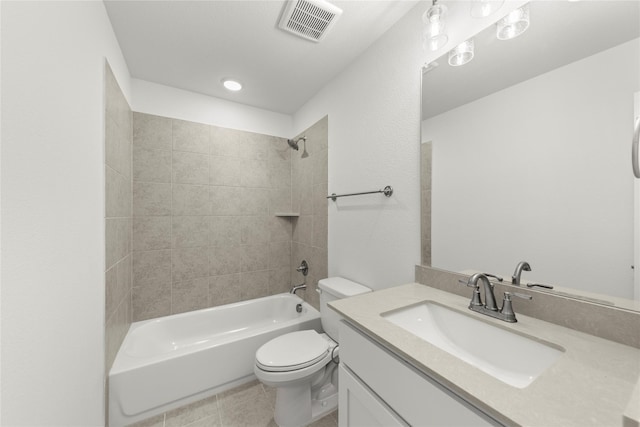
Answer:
(590, 384)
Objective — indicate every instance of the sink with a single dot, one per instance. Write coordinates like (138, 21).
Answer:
(512, 358)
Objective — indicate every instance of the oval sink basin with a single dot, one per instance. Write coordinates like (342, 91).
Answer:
(509, 357)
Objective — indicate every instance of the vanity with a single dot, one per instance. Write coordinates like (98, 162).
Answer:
(394, 374)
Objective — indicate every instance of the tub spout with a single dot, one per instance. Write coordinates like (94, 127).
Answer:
(298, 287)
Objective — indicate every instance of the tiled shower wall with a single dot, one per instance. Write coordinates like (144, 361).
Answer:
(118, 135)
(309, 198)
(204, 226)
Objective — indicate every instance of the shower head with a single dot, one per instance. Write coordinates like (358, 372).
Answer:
(294, 143)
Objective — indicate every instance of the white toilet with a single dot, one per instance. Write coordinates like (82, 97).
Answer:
(302, 365)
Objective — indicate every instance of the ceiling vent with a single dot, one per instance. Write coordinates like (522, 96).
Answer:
(309, 19)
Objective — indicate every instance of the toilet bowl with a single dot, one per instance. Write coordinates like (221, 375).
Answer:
(302, 365)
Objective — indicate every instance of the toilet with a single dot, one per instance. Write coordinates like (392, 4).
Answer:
(302, 365)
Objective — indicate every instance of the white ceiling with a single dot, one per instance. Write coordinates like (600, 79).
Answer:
(192, 45)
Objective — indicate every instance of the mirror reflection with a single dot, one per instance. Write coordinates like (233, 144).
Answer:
(530, 152)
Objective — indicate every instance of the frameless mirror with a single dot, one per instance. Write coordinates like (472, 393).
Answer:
(528, 151)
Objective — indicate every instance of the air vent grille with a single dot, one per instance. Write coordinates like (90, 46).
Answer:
(309, 19)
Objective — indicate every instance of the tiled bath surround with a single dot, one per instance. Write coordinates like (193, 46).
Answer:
(204, 229)
(118, 218)
(309, 184)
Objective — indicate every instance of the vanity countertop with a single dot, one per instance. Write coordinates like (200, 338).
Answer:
(590, 384)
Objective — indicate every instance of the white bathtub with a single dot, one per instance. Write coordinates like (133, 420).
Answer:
(171, 361)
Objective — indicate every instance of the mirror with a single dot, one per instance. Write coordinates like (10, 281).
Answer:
(528, 150)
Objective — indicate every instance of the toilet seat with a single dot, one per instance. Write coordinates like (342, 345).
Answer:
(292, 351)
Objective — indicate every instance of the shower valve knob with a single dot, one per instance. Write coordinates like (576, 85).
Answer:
(304, 268)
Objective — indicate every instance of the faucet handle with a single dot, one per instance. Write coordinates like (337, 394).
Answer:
(475, 298)
(507, 307)
(498, 278)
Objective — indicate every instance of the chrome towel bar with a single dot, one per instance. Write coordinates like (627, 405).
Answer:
(387, 191)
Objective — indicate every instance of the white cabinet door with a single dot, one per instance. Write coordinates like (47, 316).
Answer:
(415, 397)
(359, 407)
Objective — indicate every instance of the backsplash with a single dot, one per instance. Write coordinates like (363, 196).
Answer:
(603, 321)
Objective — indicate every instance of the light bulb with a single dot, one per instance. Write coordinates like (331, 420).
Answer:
(462, 54)
(514, 24)
(232, 85)
(435, 35)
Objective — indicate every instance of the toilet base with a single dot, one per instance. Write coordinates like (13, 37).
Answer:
(298, 406)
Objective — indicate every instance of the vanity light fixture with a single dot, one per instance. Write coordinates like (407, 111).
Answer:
(232, 85)
(435, 35)
(514, 24)
(484, 8)
(461, 54)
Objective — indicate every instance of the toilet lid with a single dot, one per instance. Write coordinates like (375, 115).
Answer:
(295, 350)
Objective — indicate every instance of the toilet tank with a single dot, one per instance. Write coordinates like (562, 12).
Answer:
(331, 289)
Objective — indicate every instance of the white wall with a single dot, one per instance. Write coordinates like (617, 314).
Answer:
(546, 179)
(153, 98)
(374, 140)
(52, 294)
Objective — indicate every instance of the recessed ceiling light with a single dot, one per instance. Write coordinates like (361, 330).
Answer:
(232, 85)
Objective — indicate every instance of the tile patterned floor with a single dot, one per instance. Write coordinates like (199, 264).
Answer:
(250, 405)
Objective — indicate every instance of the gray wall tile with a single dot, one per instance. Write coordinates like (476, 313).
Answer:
(215, 191)
(255, 229)
(225, 231)
(118, 212)
(190, 295)
(151, 232)
(152, 132)
(191, 200)
(227, 201)
(151, 268)
(190, 136)
(190, 231)
(151, 302)
(224, 289)
(151, 165)
(224, 260)
(254, 284)
(225, 171)
(280, 229)
(255, 257)
(117, 239)
(226, 142)
(117, 147)
(118, 194)
(279, 254)
(190, 168)
(255, 173)
(189, 263)
(151, 199)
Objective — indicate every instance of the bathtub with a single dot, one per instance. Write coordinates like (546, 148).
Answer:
(171, 361)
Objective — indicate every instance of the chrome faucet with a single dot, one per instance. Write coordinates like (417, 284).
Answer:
(297, 288)
(490, 308)
(489, 296)
(522, 266)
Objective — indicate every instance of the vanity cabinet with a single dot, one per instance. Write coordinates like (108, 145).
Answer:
(377, 388)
